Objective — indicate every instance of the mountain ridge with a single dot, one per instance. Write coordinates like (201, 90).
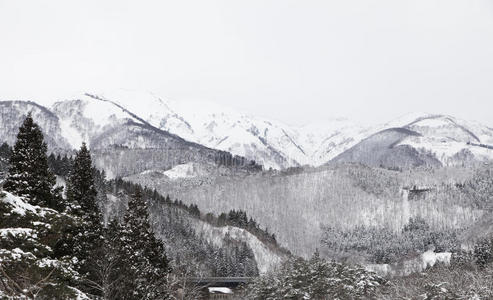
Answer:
(270, 143)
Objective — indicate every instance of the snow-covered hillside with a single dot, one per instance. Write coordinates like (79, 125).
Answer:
(423, 139)
(267, 259)
(451, 140)
(296, 206)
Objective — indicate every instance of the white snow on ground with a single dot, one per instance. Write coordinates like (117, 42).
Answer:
(113, 198)
(220, 290)
(60, 182)
(21, 207)
(144, 104)
(102, 113)
(15, 254)
(5, 232)
(266, 259)
(71, 134)
(444, 149)
(188, 170)
(324, 140)
(380, 269)
(418, 264)
(36, 223)
(441, 148)
(430, 258)
(181, 171)
(481, 153)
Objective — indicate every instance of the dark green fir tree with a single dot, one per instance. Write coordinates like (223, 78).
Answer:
(81, 190)
(146, 261)
(29, 175)
(85, 240)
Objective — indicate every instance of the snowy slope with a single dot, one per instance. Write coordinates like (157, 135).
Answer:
(182, 171)
(450, 140)
(83, 118)
(125, 143)
(326, 140)
(447, 138)
(277, 145)
(100, 118)
(435, 138)
(270, 143)
(266, 258)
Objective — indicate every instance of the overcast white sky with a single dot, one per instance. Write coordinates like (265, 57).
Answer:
(295, 61)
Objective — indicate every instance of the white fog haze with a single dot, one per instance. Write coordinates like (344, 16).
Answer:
(294, 61)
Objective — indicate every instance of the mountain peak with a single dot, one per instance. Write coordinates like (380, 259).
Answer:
(270, 143)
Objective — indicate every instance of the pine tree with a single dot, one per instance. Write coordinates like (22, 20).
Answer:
(81, 190)
(86, 239)
(29, 175)
(29, 268)
(145, 258)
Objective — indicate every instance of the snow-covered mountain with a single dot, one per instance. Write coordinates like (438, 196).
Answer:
(122, 142)
(451, 140)
(277, 145)
(144, 120)
(270, 143)
(423, 139)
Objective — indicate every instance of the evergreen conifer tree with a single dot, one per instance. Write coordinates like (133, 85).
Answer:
(29, 175)
(86, 239)
(81, 190)
(145, 259)
(28, 266)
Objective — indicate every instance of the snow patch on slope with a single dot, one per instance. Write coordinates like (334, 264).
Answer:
(181, 171)
(266, 259)
(21, 207)
(102, 113)
(71, 134)
(414, 265)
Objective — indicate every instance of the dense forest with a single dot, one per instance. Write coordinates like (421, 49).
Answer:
(296, 205)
